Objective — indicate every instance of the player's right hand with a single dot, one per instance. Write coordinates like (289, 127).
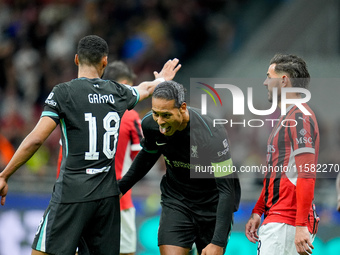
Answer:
(3, 190)
(252, 226)
(169, 70)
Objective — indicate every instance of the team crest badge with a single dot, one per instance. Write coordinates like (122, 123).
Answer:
(194, 153)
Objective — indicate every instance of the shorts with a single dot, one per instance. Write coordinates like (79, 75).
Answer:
(128, 236)
(64, 226)
(277, 238)
(180, 227)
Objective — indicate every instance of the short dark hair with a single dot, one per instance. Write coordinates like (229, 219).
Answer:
(170, 90)
(294, 66)
(91, 49)
(118, 70)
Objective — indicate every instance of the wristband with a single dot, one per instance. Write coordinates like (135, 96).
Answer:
(160, 79)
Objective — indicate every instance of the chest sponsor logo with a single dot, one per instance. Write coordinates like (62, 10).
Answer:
(304, 140)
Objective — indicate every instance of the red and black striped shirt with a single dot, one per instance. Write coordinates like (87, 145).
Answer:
(295, 134)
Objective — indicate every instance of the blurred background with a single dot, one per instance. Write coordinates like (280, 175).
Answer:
(213, 39)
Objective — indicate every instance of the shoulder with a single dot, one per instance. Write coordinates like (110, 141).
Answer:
(121, 87)
(148, 120)
(62, 86)
(131, 114)
(304, 115)
(149, 125)
(302, 110)
(204, 122)
(59, 91)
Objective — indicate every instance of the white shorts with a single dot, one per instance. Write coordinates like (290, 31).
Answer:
(128, 234)
(277, 238)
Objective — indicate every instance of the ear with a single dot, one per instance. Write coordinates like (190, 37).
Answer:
(76, 60)
(183, 107)
(104, 61)
(285, 81)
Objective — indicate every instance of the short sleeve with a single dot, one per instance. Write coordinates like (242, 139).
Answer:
(52, 104)
(131, 95)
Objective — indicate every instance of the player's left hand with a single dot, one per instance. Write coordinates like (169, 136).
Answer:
(169, 70)
(212, 249)
(303, 243)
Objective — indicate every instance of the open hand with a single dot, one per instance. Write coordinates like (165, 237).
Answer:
(169, 70)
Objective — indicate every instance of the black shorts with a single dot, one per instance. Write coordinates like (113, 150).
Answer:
(180, 227)
(97, 223)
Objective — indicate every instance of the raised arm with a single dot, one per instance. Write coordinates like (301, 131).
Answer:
(167, 73)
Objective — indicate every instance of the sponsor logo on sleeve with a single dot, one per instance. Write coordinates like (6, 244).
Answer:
(50, 101)
(226, 146)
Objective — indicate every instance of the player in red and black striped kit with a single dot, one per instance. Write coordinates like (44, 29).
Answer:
(290, 221)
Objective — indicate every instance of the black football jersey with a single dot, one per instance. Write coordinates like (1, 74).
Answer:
(188, 154)
(89, 112)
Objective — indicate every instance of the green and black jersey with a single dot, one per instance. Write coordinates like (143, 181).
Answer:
(187, 184)
(89, 112)
(189, 155)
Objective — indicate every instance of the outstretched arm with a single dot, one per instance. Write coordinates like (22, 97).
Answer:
(141, 165)
(27, 148)
(167, 73)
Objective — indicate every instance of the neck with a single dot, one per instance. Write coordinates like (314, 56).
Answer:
(185, 121)
(89, 72)
(289, 96)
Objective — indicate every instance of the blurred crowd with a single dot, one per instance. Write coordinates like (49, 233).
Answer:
(38, 40)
